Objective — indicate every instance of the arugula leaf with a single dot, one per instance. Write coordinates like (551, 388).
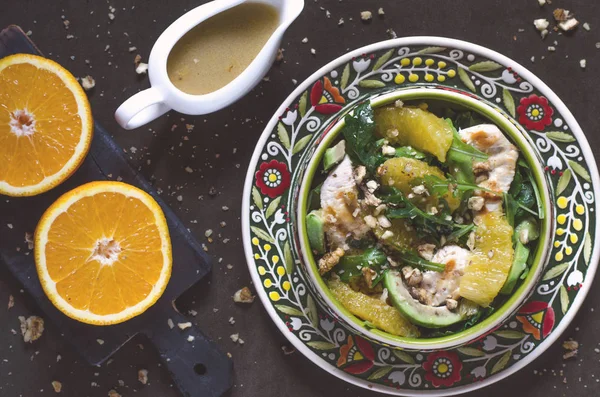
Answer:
(467, 119)
(461, 232)
(361, 143)
(415, 260)
(410, 152)
(510, 206)
(426, 224)
(524, 193)
(439, 187)
(460, 157)
(538, 197)
(350, 266)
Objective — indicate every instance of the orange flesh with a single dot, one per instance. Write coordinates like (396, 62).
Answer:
(27, 159)
(104, 253)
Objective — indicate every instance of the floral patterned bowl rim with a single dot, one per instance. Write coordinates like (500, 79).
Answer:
(541, 255)
(276, 266)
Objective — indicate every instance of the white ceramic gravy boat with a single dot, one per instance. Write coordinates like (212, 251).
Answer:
(163, 96)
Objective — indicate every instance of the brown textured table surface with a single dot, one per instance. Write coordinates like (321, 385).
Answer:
(218, 151)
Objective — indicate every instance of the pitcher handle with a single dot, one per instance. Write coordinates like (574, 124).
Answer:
(141, 109)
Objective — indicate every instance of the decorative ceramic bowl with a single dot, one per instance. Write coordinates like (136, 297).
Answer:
(456, 100)
(281, 273)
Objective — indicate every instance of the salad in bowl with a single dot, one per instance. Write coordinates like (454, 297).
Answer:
(424, 219)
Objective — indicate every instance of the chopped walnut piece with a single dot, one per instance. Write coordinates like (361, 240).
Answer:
(183, 326)
(279, 57)
(569, 24)
(451, 304)
(561, 15)
(565, 19)
(243, 295)
(369, 275)
(471, 241)
(88, 82)
(142, 68)
(359, 174)
(57, 386)
(32, 328)
(541, 24)
(143, 376)
(329, 260)
(387, 234)
(426, 251)
(11, 302)
(366, 15)
(412, 276)
(570, 345)
(384, 222)
(475, 203)
(113, 393)
(481, 167)
(29, 240)
(371, 221)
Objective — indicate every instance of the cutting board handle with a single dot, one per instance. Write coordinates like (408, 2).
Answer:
(198, 367)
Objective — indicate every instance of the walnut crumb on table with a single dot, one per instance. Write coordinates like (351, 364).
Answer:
(113, 393)
(143, 376)
(11, 302)
(243, 295)
(183, 326)
(29, 240)
(366, 15)
(571, 347)
(32, 328)
(57, 386)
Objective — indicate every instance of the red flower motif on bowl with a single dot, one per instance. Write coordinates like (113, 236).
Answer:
(442, 368)
(273, 178)
(356, 356)
(537, 319)
(535, 113)
(326, 98)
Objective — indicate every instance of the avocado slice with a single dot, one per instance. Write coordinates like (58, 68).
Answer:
(518, 267)
(527, 230)
(334, 155)
(415, 311)
(315, 223)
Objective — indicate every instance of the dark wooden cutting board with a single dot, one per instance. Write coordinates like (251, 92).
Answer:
(198, 368)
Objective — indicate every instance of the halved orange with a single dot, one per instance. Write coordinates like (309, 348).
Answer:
(103, 252)
(45, 125)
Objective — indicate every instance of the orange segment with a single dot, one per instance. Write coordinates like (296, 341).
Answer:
(45, 125)
(106, 298)
(491, 259)
(103, 252)
(76, 289)
(126, 278)
(63, 260)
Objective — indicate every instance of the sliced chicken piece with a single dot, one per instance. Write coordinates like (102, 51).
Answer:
(438, 288)
(339, 200)
(498, 171)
